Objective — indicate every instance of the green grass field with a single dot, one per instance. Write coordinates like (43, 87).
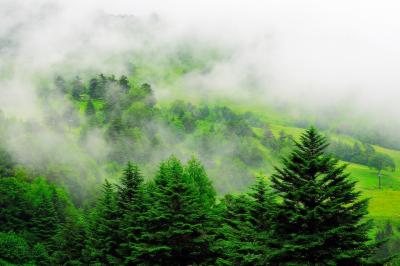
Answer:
(385, 202)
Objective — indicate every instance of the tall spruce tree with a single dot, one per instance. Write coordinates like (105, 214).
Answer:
(246, 227)
(45, 220)
(195, 170)
(235, 244)
(176, 231)
(103, 237)
(320, 218)
(130, 196)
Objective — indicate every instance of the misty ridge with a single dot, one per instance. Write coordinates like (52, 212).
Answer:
(199, 133)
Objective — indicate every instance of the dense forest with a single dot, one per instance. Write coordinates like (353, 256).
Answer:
(176, 218)
(199, 133)
(308, 212)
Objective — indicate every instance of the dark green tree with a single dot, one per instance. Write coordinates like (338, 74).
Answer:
(320, 219)
(235, 243)
(246, 227)
(93, 88)
(195, 170)
(45, 220)
(15, 205)
(176, 223)
(124, 83)
(70, 240)
(130, 196)
(14, 250)
(103, 239)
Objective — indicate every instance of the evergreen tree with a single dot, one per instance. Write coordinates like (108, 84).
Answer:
(176, 231)
(45, 220)
(15, 206)
(70, 241)
(320, 218)
(103, 239)
(236, 238)
(203, 185)
(129, 189)
(14, 250)
(262, 212)
(93, 88)
(130, 210)
(124, 83)
(246, 227)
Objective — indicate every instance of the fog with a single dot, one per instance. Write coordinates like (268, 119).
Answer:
(308, 56)
(307, 52)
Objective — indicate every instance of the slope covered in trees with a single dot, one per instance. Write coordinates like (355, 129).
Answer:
(181, 217)
(175, 218)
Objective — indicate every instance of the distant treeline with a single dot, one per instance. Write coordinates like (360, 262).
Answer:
(130, 120)
(364, 154)
(176, 219)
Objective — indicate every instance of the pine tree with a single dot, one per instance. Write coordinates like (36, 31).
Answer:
(236, 238)
(93, 88)
(70, 240)
(103, 239)
(176, 231)
(130, 210)
(195, 170)
(124, 83)
(130, 187)
(320, 218)
(246, 227)
(262, 212)
(45, 220)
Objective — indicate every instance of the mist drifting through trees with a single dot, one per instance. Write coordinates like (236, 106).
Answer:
(199, 133)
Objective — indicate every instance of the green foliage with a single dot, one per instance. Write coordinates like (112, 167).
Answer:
(103, 237)
(7, 164)
(364, 154)
(70, 240)
(14, 249)
(207, 194)
(246, 227)
(16, 208)
(176, 230)
(320, 218)
(130, 202)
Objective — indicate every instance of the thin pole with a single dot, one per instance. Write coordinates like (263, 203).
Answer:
(380, 179)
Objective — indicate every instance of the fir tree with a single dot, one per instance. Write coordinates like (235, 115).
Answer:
(124, 83)
(129, 189)
(176, 232)
(70, 241)
(195, 170)
(130, 210)
(262, 212)
(236, 239)
(320, 218)
(93, 88)
(246, 227)
(45, 220)
(103, 239)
